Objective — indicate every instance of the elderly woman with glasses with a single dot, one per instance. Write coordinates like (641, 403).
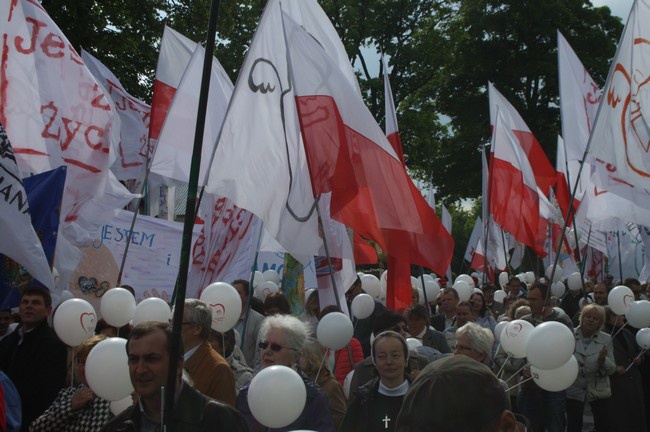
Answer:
(281, 340)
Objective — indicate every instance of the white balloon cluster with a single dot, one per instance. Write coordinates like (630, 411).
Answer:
(548, 347)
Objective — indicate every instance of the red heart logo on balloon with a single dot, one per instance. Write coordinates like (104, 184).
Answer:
(87, 321)
(218, 312)
(628, 300)
(514, 329)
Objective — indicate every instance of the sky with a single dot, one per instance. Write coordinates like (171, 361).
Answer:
(620, 8)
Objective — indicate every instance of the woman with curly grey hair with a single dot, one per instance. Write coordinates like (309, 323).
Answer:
(281, 340)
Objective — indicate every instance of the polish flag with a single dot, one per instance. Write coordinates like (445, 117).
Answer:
(565, 181)
(514, 199)
(545, 175)
(348, 155)
(175, 54)
(364, 252)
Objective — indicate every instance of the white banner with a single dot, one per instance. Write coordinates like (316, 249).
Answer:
(151, 265)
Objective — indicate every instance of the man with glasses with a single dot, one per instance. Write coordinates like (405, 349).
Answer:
(208, 369)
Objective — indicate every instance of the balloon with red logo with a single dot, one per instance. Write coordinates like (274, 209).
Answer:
(619, 299)
(514, 338)
(225, 303)
(74, 321)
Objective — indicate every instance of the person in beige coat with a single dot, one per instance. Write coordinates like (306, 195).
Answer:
(209, 371)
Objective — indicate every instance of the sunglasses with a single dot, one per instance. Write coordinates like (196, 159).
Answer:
(274, 347)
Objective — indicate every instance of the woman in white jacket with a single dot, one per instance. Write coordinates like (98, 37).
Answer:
(596, 362)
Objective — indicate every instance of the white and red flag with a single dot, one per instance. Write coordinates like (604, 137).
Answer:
(514, 200)
(260, 162)
(474, 238)
(579, 100)
(132, 149)
(620, 139)
(543, 171)
(349, 155)
(55, 114)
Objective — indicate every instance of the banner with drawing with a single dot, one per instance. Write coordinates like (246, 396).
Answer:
(151, 265)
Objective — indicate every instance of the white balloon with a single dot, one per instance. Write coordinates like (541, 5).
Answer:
(432, 290)
(258, 278)
(463, 289)
(427, 277)
(107, 370)
(152, 309)
(465, 278)
(557, 275)
(499, 296)
(620, 298)
(225, 304)
(514, 338)
(550, 345)
(120, 405)
(363, 306)
(530, 277)
(416, 282)
(271, 407)
(643, 338)
(413, 343)
(74, 321)
(272, 276)
(558, 289)
(117, 306)
(371, 285)
(574, 281)
(499, 329)
(334, 330)
(503, 278)
(265, 288)
(638, 314)
(556, 379)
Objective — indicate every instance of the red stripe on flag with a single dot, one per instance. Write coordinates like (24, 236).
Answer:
(163, 94)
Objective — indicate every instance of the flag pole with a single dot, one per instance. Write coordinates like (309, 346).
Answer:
(190, 212)
(620, 260)
(424, 292)
(486, 201)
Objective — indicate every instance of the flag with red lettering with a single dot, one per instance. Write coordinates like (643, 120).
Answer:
(350, 157)
(55, 114)
(132, 151)
(225, 248)
(19, 240)
(543, 171)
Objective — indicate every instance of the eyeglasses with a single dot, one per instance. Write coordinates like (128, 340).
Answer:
(399, 328)
(274, 347)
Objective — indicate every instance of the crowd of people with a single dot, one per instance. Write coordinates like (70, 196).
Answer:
(451, 375)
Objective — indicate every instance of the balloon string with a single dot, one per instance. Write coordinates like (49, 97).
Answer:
(520, 383)
(517, 373)
(504, 363)
(72, 368)
(611, 339)
(321, 365)
(633, 360)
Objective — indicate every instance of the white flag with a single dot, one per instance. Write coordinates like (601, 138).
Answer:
(579, 99)
(134, 115)
(621, 135)
(19, 240)
(260, 162)
(55, 113)
(176, 141)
